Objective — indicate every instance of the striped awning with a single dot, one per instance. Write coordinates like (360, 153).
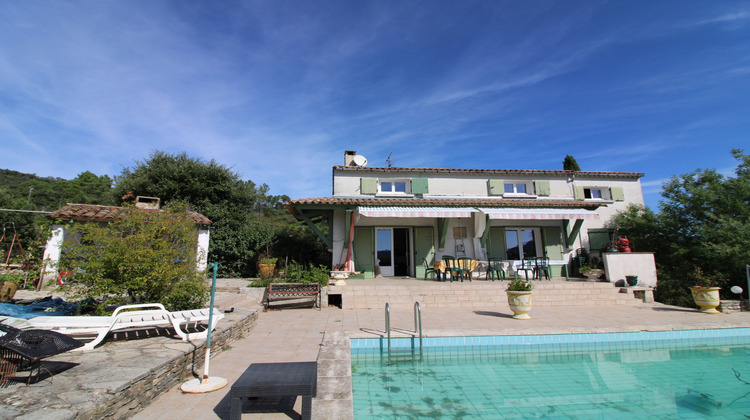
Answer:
(416, 211)
(538, 214)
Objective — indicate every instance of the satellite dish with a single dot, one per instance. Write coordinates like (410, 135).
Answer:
(359, 160)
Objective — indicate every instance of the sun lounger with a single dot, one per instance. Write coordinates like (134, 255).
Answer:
(127, 318)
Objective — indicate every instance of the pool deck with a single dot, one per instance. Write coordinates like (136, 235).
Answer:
(297, 334)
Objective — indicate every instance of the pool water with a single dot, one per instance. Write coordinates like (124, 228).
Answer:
(664, 375)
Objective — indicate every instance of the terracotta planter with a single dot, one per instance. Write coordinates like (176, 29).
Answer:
(520, 304)
(707, 298)
(266, 270)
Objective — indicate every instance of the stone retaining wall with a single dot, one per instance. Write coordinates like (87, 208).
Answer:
(169, 375)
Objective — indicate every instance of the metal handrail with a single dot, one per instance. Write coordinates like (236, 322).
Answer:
(388, 324)
(418, 322)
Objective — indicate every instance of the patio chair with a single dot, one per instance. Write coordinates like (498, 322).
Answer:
(430, 269)
(451, 266)
(494, 268)
(465, 265)
(25, 349)
(127, 318)
(542, 267)
(527, 265)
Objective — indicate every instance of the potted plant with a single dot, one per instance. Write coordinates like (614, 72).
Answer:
(704, 294)
(519, 298)
(591, 271)
(266, 266)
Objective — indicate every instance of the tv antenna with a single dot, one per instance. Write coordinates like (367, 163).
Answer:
(389, 160)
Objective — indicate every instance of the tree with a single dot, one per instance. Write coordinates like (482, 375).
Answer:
(570, 164)
(144, 257)
(702, 232)
(245, 218)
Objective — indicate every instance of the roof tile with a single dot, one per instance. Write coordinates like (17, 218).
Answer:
(459, 202)
(96, 213)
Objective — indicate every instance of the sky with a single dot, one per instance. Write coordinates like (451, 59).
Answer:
(278, 90)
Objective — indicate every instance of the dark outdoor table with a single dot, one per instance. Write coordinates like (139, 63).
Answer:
(275, 380)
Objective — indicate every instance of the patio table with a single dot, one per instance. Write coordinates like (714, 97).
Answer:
(275, 380)
(440, 267)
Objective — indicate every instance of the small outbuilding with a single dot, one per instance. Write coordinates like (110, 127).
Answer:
(102, 214)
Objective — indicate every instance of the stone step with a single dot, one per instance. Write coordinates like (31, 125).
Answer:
(477, 295)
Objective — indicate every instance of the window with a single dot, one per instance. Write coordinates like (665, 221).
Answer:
(521, 243)
(393, 187)
(512, 188)
(592, 193)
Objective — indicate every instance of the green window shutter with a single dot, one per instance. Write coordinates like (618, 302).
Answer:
(542, 187)
(578, 193)
(364, 251)
(419, 186)
(496, 187)
(496, 246)
(368, 186)
(617, 194)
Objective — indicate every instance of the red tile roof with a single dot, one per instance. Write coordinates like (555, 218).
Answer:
(595, 174)
(442, 202)
(95, 213)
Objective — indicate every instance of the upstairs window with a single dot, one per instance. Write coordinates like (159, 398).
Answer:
(599, 193)
(393, 187)
(593, 193)
(515, 188)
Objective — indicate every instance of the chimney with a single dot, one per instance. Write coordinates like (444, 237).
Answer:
(148, 203)
(349, 157)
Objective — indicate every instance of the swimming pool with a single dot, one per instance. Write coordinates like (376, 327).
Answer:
(669, 374)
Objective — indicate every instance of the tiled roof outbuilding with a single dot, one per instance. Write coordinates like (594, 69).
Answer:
(96, 213)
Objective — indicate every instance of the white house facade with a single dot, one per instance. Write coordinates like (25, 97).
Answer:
(397, 221)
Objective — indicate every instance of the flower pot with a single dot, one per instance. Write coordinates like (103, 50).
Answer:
(266, 270)
(707, 298)
(593, 274)
(632, 280)
(520, 304)
(339, 275)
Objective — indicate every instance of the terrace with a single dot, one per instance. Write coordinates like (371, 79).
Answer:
(140, 378)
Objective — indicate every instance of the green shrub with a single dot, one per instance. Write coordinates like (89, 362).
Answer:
(16, 278)
(261, 282)
(145, 257)
(519, 285)
(298, 273)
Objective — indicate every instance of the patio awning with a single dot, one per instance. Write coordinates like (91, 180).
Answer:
(416, 211)
(509, 213)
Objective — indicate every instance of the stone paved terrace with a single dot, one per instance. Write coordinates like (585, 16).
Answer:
(84, 380)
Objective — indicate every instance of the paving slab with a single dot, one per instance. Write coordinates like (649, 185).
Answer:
(297, 335)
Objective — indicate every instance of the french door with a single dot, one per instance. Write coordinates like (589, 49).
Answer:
(522, 243)
(392, 251)
(384, 251)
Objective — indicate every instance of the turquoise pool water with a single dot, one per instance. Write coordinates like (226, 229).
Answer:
(660, 375)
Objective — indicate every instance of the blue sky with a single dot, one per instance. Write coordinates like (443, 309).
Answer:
(278, 90)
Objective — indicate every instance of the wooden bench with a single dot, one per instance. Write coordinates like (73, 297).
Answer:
(292, 291)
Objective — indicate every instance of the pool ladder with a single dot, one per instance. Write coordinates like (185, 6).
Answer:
(417, 328)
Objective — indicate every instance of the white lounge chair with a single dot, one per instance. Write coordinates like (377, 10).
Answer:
(127, 318)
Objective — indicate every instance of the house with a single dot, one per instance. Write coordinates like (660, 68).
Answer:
(397, 221)
(104, 214)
